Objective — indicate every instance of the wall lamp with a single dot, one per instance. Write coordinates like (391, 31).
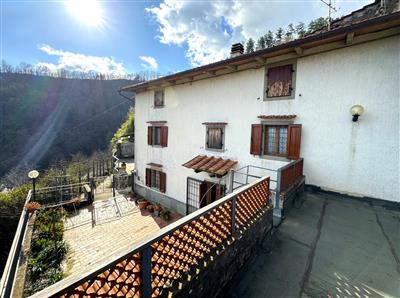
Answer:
(356, 111)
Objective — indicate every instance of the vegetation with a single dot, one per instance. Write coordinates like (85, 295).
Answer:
(292, 32)
(47, 252)
(127, 128)
(11, 204)
(45, 119)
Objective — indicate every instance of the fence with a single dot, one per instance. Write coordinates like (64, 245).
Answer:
(159, 263)
(62, 194)
(283, 179)
(8, 277)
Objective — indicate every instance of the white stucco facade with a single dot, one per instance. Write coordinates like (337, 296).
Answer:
(357, 158)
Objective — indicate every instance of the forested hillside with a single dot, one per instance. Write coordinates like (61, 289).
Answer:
(45, 118)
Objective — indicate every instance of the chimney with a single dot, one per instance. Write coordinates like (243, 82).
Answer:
(237, 50)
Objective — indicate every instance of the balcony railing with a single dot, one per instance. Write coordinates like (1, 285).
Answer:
(10, 269)
(158, 263)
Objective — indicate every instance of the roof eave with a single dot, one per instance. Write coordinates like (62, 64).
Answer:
(385, 22)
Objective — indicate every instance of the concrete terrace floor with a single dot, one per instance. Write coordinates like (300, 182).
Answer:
(328, 246)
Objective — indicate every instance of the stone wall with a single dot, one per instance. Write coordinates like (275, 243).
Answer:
(217, 270)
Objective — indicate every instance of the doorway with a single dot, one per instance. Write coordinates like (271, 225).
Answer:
(200, 193)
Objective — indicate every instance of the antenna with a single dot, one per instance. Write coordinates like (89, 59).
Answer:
(330, 9)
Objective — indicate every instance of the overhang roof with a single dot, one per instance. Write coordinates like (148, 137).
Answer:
(277, 117)
(350, 29)
(210, 164)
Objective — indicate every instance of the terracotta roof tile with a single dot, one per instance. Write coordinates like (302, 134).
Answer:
(210, 164)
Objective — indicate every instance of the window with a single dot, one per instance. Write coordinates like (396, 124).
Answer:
(214, 138)
(280, 81)
(159, 98)
(156, 179)
(276, 140)
(157, 136)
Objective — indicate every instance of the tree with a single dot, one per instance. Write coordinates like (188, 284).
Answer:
(300, 30)
(279, 35)
(250, 46)
(289, 35)
(261, 43)
(269, 39)
(316, 25)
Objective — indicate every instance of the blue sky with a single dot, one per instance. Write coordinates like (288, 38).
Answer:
(164, 36)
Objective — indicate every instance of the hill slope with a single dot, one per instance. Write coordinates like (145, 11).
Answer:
(45, 118)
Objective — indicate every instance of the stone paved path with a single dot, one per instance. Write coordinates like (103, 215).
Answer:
(118, 223)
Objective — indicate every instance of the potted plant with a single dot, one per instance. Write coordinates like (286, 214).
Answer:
(32, 206)
(150, 208)
(131, 194)
(157, 209)
(166, 215)
(142, 203)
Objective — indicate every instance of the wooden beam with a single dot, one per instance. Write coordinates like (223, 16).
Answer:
(211, 72)
(260, 60)
(299, 50)
(231, 67)
(349, 38)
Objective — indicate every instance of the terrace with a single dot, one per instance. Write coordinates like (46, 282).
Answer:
(327, 245)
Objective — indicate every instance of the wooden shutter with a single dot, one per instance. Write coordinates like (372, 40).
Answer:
(280, 81)
(164, 136)
(256, 139)
(163, 181)
(294, 139)
(150, 135)
(202, 191)
(148, 177)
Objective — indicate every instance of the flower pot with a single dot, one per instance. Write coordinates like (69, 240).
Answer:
(143, 204)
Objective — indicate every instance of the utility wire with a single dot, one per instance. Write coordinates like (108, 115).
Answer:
(71, 130)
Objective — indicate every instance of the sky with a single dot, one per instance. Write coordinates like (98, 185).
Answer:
(127, 36)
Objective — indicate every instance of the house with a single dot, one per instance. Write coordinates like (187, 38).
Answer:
(331, 98)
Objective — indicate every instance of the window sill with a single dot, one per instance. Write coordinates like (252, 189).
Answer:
(215, 150)
(279, 98)
(158, 107)
(274, 157)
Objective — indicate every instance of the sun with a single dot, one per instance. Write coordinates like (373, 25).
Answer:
(88, 12)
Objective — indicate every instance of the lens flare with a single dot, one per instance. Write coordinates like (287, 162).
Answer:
(88, 12)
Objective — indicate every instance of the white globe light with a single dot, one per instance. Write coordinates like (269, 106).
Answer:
(33, 174)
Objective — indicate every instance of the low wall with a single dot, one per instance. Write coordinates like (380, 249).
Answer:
(157, 197)
(219, 269)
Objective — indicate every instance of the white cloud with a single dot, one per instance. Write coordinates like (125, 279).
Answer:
(150, 62)
(80, 62)
(208, 28)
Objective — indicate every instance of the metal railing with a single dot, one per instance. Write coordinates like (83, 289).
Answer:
(285, 177)
(158, 263)
(10, 269)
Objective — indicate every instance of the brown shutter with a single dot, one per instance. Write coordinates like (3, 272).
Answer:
(148, 177)
(163, 180)
(256, 137)
(294, 139)
(150, 135)
(280, 81)
(164, 136)
(202, 194)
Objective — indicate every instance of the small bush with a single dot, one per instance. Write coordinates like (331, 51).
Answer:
(47, 252)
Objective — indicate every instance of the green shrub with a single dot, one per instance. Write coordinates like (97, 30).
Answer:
(126, 128)
(47, 250)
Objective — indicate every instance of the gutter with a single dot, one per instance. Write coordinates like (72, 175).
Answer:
(287, 46)
(132, 99)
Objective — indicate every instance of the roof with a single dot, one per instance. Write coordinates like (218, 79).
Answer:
(345, 31)
(210, 164)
